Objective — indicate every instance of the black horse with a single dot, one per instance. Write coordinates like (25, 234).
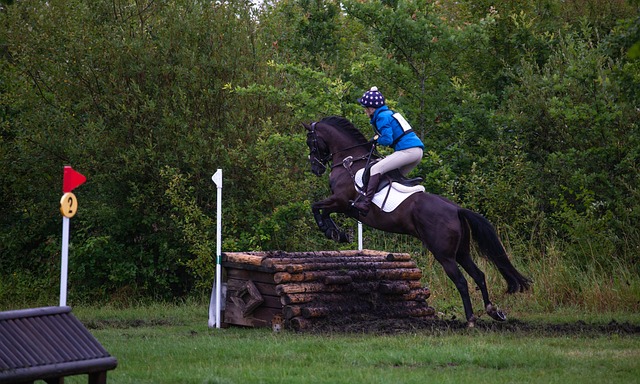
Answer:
(444, 228)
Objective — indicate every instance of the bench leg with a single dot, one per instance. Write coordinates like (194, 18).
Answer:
(98, 378)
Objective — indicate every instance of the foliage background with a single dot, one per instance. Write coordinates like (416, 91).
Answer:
(529, 111)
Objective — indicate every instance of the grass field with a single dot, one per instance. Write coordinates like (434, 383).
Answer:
(172, 344)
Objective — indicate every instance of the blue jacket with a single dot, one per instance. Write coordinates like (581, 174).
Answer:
(388, 128)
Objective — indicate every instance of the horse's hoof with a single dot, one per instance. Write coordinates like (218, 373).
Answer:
(471, 323)
(332, 234)
(499, 316)
(496, 313)
(337, 236)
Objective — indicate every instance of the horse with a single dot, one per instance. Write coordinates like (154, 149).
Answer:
(443, 227)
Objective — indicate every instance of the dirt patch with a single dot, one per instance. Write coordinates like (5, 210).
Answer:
(439, 326)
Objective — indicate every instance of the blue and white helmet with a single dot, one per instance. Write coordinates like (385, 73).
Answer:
(372, 98)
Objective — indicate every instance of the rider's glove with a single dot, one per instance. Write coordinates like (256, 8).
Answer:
(374, 139)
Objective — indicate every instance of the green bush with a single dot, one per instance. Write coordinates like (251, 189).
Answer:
(528, 111)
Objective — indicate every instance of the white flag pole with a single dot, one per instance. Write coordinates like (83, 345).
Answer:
(217, 179)
(359, 236)
(68, 208)
(64, 265)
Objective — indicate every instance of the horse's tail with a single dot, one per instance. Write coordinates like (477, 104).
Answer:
(490, 245)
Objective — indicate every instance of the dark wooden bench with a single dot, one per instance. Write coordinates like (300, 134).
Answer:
(48, 344)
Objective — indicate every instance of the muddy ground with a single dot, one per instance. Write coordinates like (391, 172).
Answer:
(370, 324)
(439, 326)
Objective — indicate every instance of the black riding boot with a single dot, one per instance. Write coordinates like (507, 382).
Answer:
(364, 202)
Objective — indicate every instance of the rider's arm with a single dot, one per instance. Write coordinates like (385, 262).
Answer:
(385, 128)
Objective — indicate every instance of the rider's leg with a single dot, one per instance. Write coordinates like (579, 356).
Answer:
(364, 202)
(404, 160)
(412, 157)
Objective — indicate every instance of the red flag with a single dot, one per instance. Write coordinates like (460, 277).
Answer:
(71, 179)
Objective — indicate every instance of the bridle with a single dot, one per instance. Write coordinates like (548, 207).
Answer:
(324, 161)
(314, 150)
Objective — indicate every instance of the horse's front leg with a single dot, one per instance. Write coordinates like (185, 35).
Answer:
(322, 211)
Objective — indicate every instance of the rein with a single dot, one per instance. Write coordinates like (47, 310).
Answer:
(364, 157)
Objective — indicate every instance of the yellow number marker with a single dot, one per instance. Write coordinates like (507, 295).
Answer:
(68, 205)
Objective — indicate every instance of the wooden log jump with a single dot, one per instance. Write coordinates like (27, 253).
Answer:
(296, 289)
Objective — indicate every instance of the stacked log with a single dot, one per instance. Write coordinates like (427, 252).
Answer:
(306, 287)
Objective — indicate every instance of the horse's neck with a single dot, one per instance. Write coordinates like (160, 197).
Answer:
(342, 146)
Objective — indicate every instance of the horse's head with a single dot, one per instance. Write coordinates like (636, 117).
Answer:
(333, 136)
(318, 150)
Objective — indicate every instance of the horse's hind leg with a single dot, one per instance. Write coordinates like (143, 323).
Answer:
(454, 273)
(464, 259)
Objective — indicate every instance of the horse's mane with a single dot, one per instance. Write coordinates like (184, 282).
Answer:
(345, 125)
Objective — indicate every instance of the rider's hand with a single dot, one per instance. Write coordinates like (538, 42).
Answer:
(375, 139)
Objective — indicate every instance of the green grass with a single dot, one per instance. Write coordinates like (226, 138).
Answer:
(172, 344)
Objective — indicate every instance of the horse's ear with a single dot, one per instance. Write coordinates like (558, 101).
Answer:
(306, 126)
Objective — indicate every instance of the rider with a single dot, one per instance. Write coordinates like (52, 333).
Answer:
(392, 130)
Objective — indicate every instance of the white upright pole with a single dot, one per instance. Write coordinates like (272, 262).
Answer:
(68, 208)
(217, 179)
(64, 266)
(359, 236)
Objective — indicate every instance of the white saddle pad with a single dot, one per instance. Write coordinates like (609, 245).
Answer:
(397, 193)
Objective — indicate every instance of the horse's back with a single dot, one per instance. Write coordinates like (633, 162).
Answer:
(435, 219)
(420, 212)
(433, 203)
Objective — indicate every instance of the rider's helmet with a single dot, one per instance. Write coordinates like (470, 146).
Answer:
(372, 98)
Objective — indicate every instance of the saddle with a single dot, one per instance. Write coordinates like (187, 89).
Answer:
(392, 190)
(392, 193)
(389, 177)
